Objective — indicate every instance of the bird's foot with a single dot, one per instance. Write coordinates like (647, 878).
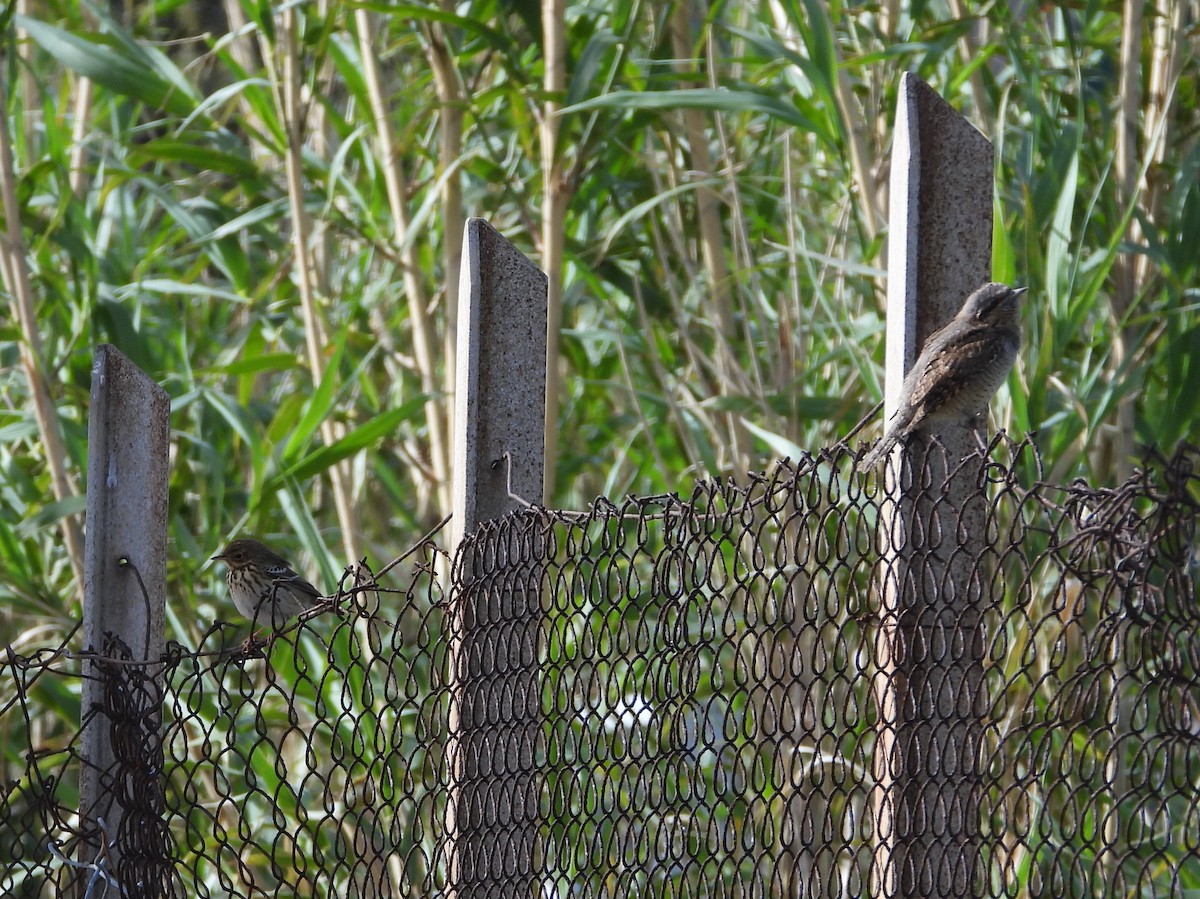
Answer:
(252, 647)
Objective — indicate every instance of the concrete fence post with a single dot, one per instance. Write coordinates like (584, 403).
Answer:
(930, 646)
(495, 615)
(121, 779)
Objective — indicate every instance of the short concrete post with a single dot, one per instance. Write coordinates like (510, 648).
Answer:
(929, 686)
(121, 801)
(495, 619)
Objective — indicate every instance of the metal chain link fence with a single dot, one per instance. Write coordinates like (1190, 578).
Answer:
(685, 703)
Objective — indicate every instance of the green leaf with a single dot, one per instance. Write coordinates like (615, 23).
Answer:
(1004, 264)
(469, 24)
(191, 153)
(711, 99)
(779, 444)
(585, 71)
(360, 438)
(242, 423)
(269, 211)
(319, 406)
(256, 364)
(818, 38)
(1058, 243)
(169, 287)
(107, 63)
(52, 513)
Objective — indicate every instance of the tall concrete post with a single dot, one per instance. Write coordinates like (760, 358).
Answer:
(121, 802)
(930, 647)
(495, 617)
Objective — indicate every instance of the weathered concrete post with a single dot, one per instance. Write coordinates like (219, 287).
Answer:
(495, 619)
(930, 644)
(120, 783)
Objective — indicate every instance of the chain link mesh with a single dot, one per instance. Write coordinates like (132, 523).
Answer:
(670, 697)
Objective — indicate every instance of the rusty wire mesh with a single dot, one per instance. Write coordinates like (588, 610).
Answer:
(673, 697)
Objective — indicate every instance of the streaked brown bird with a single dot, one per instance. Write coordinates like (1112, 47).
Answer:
(263, 586)
(960, 366)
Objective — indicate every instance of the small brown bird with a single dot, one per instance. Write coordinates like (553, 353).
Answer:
(960, 366)
(263, 586)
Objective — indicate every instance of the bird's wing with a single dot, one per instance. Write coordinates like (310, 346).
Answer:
(298, 583)
(283, 573)
(948, 366)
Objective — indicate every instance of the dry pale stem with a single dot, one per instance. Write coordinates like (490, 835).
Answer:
(452, 103)
(307, 276)
(16, 281)
(424, 341)
(554, 208)
(712, 243)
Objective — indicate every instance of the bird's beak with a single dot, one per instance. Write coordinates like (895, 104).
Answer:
(1017, 291)
(218, 557)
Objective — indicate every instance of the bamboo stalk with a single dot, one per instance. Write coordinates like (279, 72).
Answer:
(30, 92)
(318, 136)
(1125, 268)
(554, 208)
(244, 37)
(306, 274)
(1169, 37)
(240, 47)
(712, 244)
(1127, 284)
(1127, 131)
(751, 371)
(76, 167)
(451, 105)
(85, 90)
(424, 341)
(15, 272)
(856, 124)
(968, 47)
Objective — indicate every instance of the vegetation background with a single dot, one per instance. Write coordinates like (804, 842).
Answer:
(262, 204)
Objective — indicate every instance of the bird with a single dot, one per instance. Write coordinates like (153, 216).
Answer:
(960, 366)
(263, 586)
